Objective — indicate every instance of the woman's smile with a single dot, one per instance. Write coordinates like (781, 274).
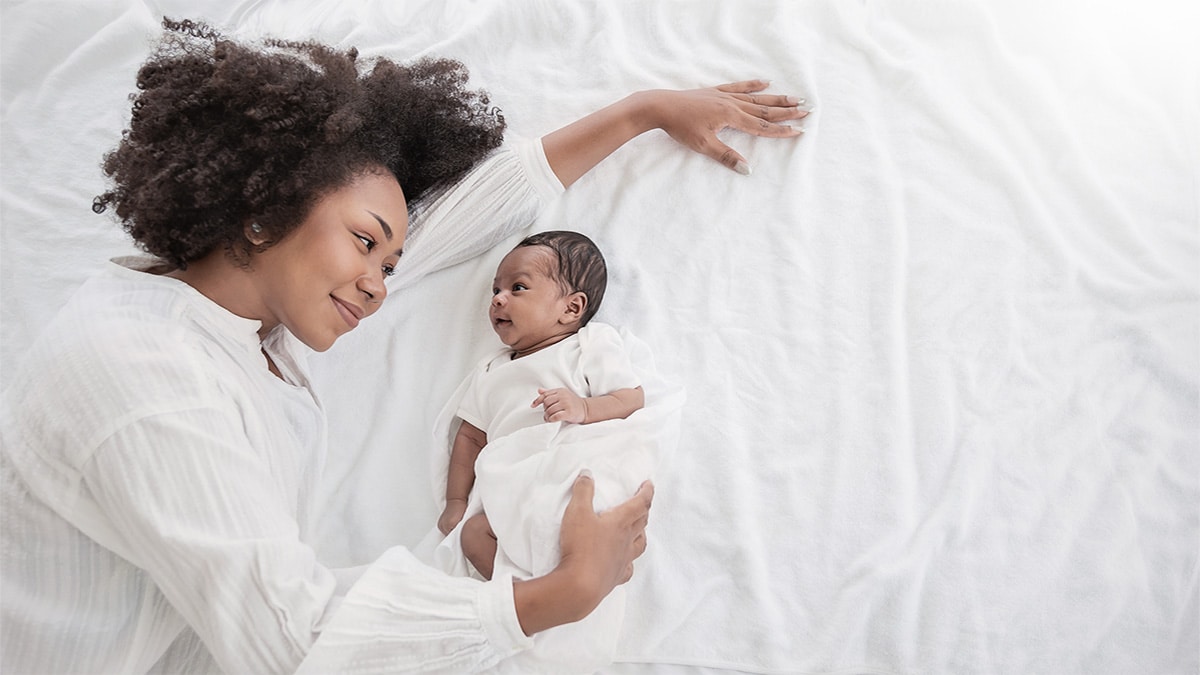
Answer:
(351, 314)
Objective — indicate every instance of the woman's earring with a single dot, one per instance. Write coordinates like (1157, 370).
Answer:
(255, 234)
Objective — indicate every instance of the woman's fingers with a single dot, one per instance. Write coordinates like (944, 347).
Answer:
(636, 509)
(644, 498)
(762, 127)
(771, 113)
(776, 101)
(752, 113)
(583, 492)
(645, 492)
(715, 148)
(772, 107)
(743, 87)
(726, 155)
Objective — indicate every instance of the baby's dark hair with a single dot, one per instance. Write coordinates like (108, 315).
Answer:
(580, 268)
(225, 134)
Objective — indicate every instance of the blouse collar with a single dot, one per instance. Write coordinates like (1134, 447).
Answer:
(206, 312)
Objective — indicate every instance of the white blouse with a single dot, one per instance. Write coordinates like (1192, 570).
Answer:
(156, 476)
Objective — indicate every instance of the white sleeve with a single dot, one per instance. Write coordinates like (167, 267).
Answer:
(471, 407)
(404, 616)
(496, 198)
(604, 360)
(209, 525)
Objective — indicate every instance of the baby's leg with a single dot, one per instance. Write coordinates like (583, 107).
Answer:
(479, 544)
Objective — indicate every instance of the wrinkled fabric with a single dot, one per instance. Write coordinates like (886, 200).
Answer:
(940, 351)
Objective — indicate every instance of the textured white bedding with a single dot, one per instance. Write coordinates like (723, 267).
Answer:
(942, 355)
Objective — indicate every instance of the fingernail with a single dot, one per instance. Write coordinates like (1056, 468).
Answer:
(796, 101)
(742, 168)
(586, 473)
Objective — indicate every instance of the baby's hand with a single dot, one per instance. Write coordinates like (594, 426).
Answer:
(455, 508)
(561, 405)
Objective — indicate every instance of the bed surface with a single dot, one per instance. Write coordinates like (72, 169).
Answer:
(942, 354)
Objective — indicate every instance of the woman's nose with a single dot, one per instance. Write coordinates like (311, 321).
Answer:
(374, 289)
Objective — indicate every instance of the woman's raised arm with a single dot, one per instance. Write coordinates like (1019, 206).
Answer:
(692, 117)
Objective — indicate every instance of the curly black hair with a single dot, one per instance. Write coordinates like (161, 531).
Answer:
(224, 134)
(579, 266)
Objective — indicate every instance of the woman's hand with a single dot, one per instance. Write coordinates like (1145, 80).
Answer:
(692, 117)
(601, 547)
(598, 550)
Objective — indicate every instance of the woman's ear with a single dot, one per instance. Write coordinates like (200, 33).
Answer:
(576, 304)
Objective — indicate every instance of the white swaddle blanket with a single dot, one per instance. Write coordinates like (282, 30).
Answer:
(523, 481)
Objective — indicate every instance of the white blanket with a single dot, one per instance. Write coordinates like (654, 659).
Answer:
(941, 354)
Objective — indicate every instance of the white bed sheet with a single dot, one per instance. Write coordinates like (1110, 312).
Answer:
(942, 355)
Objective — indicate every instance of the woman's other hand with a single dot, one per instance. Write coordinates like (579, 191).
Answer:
(598, 550)
(601, 547)
(692, 117)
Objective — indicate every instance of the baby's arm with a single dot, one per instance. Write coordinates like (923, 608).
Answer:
(564, 405)
(468, 442)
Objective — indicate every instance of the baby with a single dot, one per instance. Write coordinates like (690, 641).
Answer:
(545, 292)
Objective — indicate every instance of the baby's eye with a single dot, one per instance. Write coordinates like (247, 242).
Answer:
(519, 287)
(367, 241)
(389, 270)
(495, 291)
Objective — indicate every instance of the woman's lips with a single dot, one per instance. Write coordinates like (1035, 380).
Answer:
(350, 314)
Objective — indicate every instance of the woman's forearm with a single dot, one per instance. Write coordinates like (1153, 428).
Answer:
(574, 149)
(555, 599)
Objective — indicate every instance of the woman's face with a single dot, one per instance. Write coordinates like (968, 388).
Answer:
(327, 274)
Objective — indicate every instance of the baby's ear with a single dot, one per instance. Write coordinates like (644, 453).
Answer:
(576, 304)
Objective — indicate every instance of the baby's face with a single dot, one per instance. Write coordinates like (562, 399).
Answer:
(529, 309)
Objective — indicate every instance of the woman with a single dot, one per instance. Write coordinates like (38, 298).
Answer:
(161, 440)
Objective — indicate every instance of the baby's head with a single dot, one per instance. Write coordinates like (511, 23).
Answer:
(548, 287)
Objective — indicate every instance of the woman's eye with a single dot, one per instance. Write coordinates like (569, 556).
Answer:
(367, 241)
